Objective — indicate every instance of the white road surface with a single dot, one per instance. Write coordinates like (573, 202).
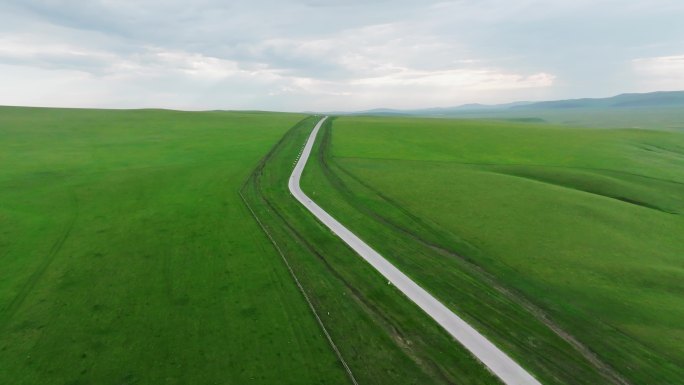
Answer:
(492, 357)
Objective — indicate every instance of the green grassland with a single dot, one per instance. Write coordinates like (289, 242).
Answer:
(127, 256)
(564, 245)
(130, 253)
(661, 118)
(383, 337)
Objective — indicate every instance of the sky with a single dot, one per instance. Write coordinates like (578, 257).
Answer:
(333, 55)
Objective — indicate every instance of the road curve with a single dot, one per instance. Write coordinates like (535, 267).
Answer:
(492, 357)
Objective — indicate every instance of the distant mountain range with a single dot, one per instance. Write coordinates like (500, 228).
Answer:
(651, 99)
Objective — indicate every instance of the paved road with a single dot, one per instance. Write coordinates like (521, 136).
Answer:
(497, 361)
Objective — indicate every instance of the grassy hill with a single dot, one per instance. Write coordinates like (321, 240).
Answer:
(653, 99)
(127, 256)
(656, 110)
(523, 228)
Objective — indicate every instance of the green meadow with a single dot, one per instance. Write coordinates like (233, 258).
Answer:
(654, 117)
(128, 257)
(130, 253)
(382, 337)
(563, 245)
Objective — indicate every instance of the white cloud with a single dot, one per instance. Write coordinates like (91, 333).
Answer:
(330, 54)
(665, 72)
(463, 79)
(668, 66)
(376, 65)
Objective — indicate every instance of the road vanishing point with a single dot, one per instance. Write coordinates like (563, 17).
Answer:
(498, 362)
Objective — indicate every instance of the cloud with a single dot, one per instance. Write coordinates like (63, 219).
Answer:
(463, 79)
(330, 54)
(666, 72)
(51, 54)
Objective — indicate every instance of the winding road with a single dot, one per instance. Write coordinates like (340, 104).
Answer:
(492, 357)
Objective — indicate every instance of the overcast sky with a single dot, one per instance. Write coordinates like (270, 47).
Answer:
(298, 55)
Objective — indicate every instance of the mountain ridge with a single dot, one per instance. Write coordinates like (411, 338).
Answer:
(621, 101)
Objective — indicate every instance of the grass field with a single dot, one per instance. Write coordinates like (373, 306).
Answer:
(525, 228)
(662, 118)
(128, 257)
(383, 337)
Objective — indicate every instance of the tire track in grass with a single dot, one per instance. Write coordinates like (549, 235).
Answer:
(494, 359)
(394, 331)
(304, 294)
(323, 156)
(255, 176)
(30, 284)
